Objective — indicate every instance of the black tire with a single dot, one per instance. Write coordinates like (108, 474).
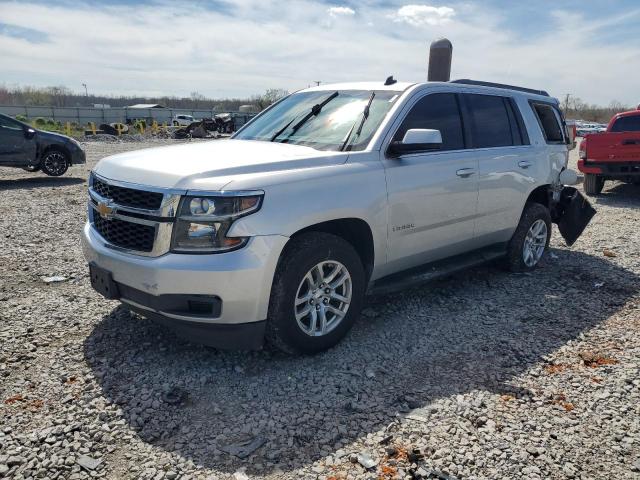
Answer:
(300, 255)
(593, 184)
(515, 250)
(55, 162)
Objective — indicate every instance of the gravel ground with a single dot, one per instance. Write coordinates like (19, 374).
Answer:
(482, 375)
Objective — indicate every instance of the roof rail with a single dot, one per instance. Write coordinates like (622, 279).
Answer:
(466, 81)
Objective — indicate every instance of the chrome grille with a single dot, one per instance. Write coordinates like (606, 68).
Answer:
(128, 197)
(135, 220)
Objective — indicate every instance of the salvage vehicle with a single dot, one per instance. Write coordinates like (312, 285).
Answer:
(26, 147)
(330, 193)
(182, 120)
(612, 155)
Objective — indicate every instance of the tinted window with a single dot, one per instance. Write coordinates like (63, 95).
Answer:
(438, 111)
(627, 124)
(549, 122)
(490, 121)
(9, 123)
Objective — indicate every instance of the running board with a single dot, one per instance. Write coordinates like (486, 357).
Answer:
(431, 271)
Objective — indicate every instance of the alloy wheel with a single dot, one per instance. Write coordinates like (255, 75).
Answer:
(534, 243)
(55, 162)
(323, 298)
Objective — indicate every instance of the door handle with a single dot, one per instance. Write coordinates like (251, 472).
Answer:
(631, 142)
(524, 164)
(465, 172)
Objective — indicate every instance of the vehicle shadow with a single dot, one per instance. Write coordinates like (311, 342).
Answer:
(39, 182)
(620, 195)
(473, 331)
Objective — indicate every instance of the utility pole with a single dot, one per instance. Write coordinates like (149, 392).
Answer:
(566, 102)
(86, 92)
(317, 82)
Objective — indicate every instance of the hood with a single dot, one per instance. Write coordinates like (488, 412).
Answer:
(212, 164)
(52, 136)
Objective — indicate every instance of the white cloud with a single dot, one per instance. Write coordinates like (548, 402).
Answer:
(341, 12)
(168, 49)
(420, 15)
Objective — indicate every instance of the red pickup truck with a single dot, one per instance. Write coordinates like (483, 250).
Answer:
(612, 155)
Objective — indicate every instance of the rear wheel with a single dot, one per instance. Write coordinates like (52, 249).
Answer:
(593, 184)
(54, 163)
(531, 238)
(317, 294)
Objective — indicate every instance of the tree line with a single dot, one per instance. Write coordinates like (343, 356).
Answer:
(61, 96)
(576, 109)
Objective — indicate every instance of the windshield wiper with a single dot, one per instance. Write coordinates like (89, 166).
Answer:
(315, 110)
(365, 115)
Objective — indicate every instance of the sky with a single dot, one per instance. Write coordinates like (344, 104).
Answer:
(236, 48)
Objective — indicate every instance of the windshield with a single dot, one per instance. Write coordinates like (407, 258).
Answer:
(328, 129)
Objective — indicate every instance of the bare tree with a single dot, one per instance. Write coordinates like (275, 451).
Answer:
(269, 97)
(197, 98)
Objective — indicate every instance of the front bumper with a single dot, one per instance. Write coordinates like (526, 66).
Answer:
(156, 286)
(78, 156)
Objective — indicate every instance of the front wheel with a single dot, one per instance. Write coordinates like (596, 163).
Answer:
(531, 238)
(317, 294)
(54, 163)
(593, 184)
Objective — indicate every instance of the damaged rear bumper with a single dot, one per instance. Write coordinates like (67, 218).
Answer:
(572, 213)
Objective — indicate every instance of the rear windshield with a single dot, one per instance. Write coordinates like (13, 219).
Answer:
(627, 124)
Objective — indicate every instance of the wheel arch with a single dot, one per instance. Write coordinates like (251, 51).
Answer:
(541, 194)
(355, 231)
(55, 147)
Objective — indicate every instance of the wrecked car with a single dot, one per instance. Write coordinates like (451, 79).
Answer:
(332, 192)
(32, 149)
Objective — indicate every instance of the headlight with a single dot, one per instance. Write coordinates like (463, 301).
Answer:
(203, 222)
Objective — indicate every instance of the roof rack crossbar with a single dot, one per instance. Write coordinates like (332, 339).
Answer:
(466, 81)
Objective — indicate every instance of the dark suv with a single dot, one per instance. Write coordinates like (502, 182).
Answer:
(26, 147)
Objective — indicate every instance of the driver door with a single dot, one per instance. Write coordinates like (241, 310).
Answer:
(14, 146)
(432, 195)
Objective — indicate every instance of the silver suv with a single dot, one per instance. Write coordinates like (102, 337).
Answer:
(333, 192)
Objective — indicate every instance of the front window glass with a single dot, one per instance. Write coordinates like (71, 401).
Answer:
(328, 129)
(438, 111)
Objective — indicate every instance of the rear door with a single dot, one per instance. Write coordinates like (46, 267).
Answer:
(432, 195)
(506, 161)
(14, 147)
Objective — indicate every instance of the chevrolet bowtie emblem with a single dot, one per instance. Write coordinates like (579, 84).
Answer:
(105, 210)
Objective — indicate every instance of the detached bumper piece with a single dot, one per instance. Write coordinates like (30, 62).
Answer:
(573, 214)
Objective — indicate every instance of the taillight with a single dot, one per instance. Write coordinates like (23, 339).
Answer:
(583, 150)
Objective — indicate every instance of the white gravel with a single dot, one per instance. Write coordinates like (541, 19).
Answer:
(483, 375)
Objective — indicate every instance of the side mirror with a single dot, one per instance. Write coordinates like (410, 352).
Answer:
(416, 140)
(29, 133)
